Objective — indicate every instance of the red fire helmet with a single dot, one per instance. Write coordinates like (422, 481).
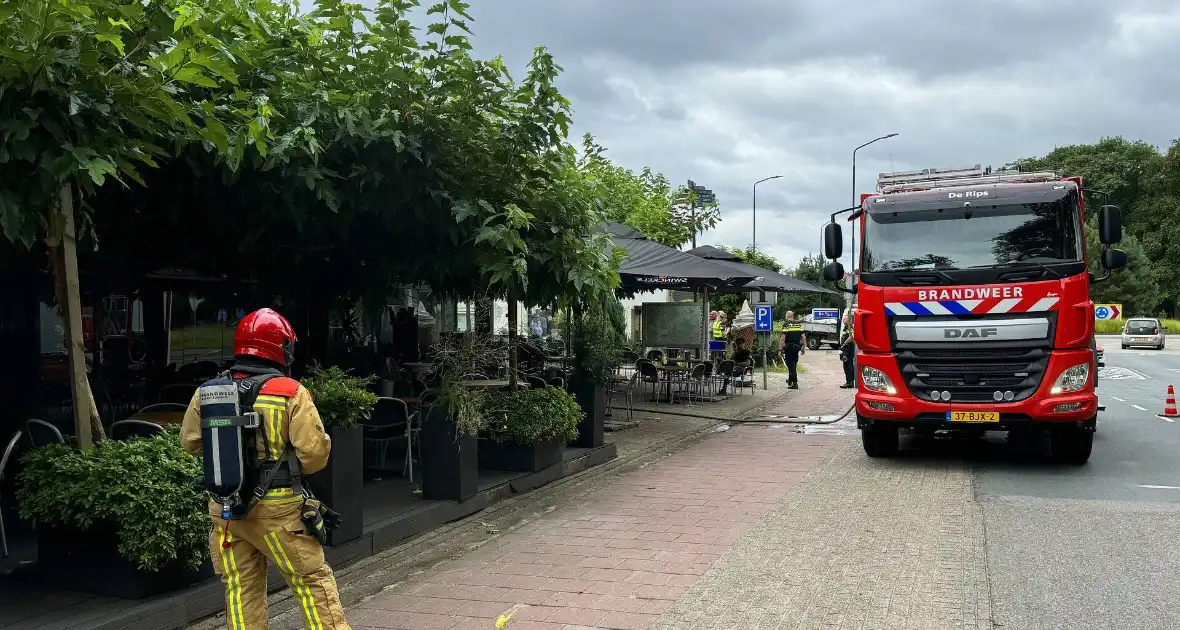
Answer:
(267, 335)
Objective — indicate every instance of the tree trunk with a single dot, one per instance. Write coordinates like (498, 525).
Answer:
(63, 261)
(512, 339)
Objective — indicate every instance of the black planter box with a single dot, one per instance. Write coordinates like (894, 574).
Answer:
(592, 399)
(89, 561)
(450, 463)
(339, 484)
(512, 457)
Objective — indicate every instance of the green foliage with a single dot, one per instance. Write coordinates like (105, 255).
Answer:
(466, 407)
(532, 416)
(1115, 326)
(1146, 184)
(342, 399)
(645, 201)
(94, 90)
(337, 127)
(143, 489)
(598, 336)
(731, 303)
(1135, 286)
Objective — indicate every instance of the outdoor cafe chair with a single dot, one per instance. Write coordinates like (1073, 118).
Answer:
(164, 406)
(725, 371)
(42, 433)
(131, 428)
(648, 374)
(696, 382)
(475, 377)
(391, 420)
(628, 390)
(745, 380)
(8, 450)
(557, 382)
(536, 382)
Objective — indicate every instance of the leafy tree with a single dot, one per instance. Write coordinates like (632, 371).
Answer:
(645, 201)
(1135, 286)
(1146, 184)
(809, 269)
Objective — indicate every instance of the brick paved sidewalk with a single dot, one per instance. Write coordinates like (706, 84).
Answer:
(618, 558)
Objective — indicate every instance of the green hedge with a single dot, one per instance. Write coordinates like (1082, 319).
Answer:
(144, 489)
(1115, 326)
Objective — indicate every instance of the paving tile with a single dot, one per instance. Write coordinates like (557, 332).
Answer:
(618, 558)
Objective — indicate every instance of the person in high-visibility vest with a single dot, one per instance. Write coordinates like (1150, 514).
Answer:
(848, 354)
(792, 344)
(719, 327)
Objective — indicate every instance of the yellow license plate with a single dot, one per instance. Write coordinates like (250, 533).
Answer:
(973, 416)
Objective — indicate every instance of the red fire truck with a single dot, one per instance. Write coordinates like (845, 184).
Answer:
(973, 305)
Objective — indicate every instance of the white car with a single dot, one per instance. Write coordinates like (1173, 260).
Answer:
(1144, 332)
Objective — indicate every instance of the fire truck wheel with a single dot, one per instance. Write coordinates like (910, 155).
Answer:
(880, 440)
(1071, 445)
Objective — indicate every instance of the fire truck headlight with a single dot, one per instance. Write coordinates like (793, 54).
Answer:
(875, 380)
(1072, 379)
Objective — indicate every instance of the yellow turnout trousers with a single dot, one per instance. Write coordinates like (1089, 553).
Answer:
(240, 552)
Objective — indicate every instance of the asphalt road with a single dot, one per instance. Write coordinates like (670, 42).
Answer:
(1096, 546)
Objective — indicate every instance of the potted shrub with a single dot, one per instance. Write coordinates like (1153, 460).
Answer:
(450, 460)
(528, 428)
(597, 342)
(452, 424)
(342, 401)
(124, 519)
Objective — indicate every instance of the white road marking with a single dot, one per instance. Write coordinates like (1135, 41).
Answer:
(1151, 487)
(1118, 399)
(1165, 418)
(1139, 408)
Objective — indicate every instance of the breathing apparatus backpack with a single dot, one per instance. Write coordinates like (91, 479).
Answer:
(230, 431)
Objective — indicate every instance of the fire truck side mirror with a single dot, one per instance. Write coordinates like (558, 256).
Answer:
(1110, 225)
(1113, 259)
(833, 241)
(833, 271)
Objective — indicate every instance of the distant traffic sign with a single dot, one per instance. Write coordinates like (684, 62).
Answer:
(825, 313)
(763, 320)
(1108, 311)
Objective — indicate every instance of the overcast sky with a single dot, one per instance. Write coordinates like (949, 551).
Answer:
(728, 92)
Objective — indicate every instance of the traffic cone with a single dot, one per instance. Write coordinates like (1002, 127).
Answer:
(1170, 404)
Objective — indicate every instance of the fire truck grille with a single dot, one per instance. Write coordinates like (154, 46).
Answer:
(973, 376)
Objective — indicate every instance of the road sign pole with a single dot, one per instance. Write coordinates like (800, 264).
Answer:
(763, 367)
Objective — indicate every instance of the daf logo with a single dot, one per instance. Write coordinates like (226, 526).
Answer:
(969, 333)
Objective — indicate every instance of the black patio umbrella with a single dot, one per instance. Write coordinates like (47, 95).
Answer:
(650, 265)
(764, 279)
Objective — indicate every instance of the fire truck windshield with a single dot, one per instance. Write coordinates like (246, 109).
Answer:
(956, 236)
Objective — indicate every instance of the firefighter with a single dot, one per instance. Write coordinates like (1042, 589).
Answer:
(282, 525)
(792, 344)
(848, 354)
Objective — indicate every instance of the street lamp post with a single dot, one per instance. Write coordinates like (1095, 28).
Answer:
(754, 235)
(852, 270)
(854, 195)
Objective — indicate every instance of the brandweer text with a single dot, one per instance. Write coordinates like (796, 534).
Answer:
(981, 293)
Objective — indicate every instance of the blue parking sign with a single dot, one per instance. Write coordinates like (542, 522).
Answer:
(763, 320)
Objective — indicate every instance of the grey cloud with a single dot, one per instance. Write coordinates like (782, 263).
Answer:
(726, 93)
